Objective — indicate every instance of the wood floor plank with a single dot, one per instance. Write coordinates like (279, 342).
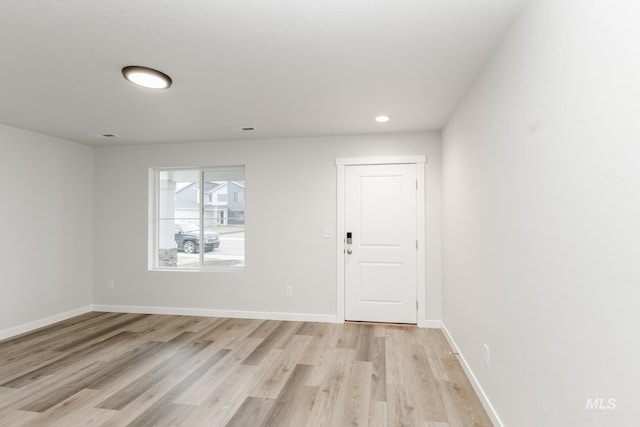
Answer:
(101, 332)
(379, 369)
(202, 387)
(427, 398)
(377, 414)
(229, 332)
(118, 369)
(348, 337)
(5, 392)
(437, 368)
(264, 330)
(468, 404)
(161, 328)
(437, 343)
(277, 339)
(64, 360)
(380, 331)
(199, 323)
(14, 368)
(63, 388)
(164, 411)
(276, 375)
(329, 405)
(21, 419)
(87, 377)
(220, 406)
(401, 408)
(284, 407)
(227, 395)
(321, 340)
(165, 414)
(326, 362)
(13, 399)
(47, 332)
(364, 343)
(252, 412)
(307, 328)
(77, 410)
(135, 389)
(395, 351)
(356, 411)
(449, 399)
(300, 409)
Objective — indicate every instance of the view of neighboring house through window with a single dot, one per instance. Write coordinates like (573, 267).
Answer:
(197, 226)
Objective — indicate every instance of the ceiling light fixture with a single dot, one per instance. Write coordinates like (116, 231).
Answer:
(382, 119)
(146, 77)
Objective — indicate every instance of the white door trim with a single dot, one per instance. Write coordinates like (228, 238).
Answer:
(420, 162)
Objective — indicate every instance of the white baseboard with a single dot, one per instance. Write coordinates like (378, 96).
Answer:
(495, 419)
(28, 327)
(266, 315)
(431, 324)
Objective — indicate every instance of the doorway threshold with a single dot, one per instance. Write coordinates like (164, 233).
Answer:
(368, 323)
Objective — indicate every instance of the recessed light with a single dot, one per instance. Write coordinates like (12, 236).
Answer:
(382, 119)
(146, 77)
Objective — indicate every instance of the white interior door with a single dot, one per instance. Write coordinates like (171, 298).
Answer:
(380, 262)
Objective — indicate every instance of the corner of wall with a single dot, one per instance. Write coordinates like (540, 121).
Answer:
(484, 399)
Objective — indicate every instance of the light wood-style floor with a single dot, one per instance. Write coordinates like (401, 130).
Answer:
(111, 369)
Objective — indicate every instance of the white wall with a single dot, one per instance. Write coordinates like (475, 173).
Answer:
(284, 245)
(541, 183)
(47, 228)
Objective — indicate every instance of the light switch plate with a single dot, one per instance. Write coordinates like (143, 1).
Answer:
(327, 233)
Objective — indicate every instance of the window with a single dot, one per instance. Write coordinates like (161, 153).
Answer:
(183, 216)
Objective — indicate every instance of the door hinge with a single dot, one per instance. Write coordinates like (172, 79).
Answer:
(416, 304)
(416, 184)
(416, 245)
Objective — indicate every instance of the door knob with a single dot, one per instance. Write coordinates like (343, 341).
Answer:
(349, 251)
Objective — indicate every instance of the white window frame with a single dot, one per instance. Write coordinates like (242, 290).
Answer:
(154, 218)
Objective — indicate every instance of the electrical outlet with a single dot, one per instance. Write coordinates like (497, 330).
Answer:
(486, 355)
(110, 285)
(288, 291)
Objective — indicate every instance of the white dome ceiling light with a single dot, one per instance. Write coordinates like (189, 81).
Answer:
(382, 119)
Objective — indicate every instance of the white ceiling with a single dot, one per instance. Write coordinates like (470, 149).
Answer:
(287, 67)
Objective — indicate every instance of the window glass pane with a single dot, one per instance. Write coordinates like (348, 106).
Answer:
(224, 219)
(178, 218)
